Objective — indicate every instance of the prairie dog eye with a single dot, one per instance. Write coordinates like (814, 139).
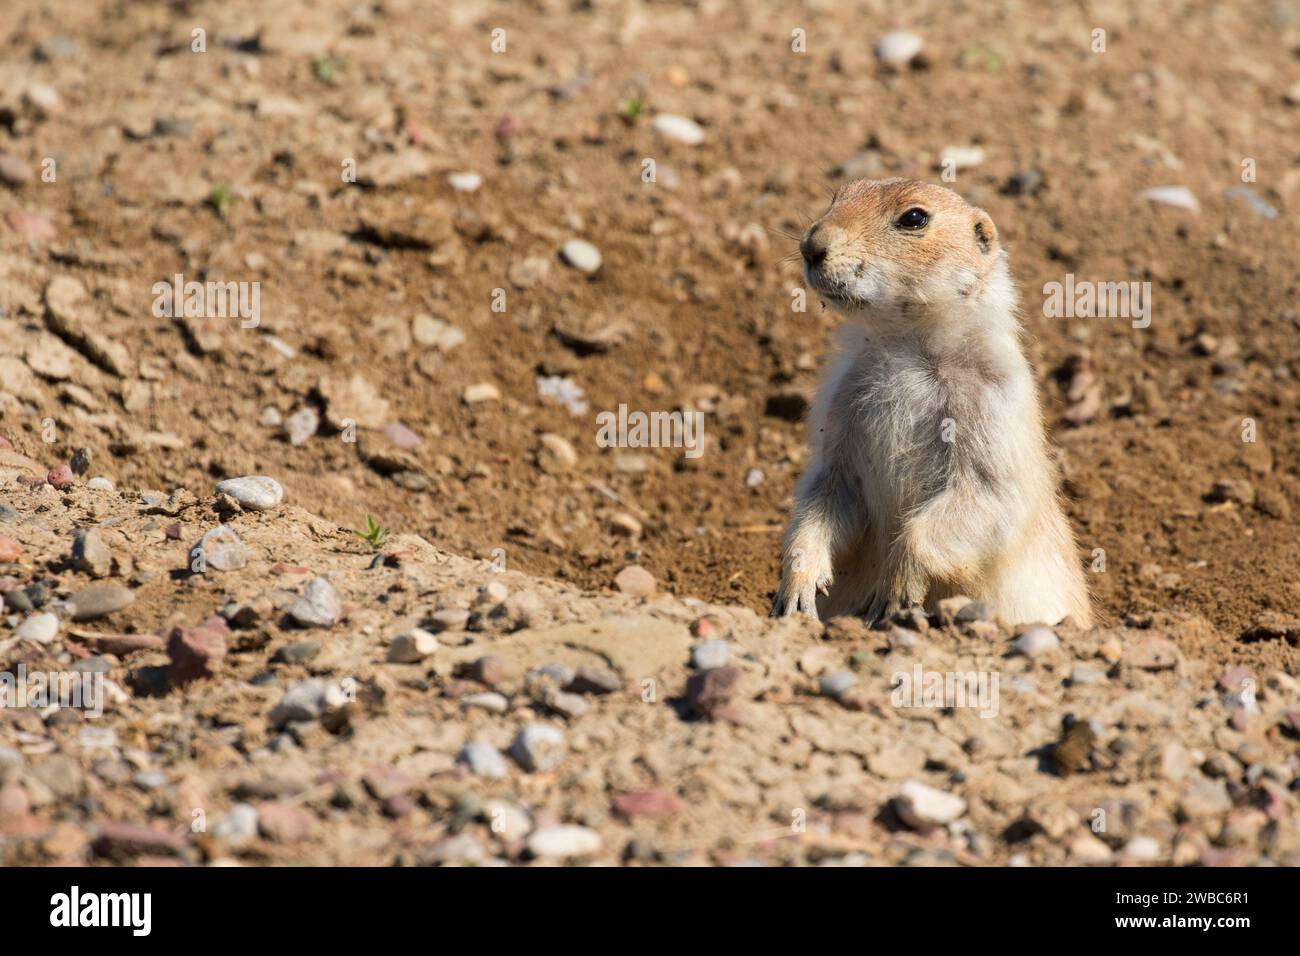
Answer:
(914, 218)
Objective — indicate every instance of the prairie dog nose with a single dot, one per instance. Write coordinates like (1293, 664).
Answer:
(813, 246)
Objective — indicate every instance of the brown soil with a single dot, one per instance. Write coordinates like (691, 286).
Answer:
(697, 269)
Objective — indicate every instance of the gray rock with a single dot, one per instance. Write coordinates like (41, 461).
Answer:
(219, 550)
(253, 492)
(832, 685)
(99, 600)
(1082, 675)
(150, 779)
(565, 704)
(707, 655)
(561, 674)
(301, 425)
(594, 680)
(483, 760)
(449, 619)
(538, 747)
(1036, 642)
(307, 700)
(318, 607)
(490, 701)
(412, 647)
(238, 826)
(91, 555)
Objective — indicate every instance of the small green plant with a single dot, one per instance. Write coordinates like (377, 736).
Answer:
(326, 67)
(375, 534)
(980, 57)
(631, 108)
(221, 198)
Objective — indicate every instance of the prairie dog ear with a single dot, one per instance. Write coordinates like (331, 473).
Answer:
(986, 234)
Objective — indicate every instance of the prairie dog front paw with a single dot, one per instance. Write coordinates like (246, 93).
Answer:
(802, 578)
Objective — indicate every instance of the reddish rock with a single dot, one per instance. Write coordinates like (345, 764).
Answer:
(174, 531)
(194, 650)
(10, 550)
(706, 626)
(489, 669)
(32, 227)
(60, 477)
(6, 444)
(385, 783)
(285, 824)
(647, 803)
(131, 839)
(709, 690)
(1234, 677)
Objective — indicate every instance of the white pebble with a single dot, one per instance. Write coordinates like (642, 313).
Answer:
(582, 255)
(564, 840)
(41, 628)
(922, 807)
(680, 128)
(465, 182)
(253, 492)
(1036, 642)
(1180, 197)
(898, 48)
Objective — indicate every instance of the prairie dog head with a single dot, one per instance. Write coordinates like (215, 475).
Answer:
(886, 247)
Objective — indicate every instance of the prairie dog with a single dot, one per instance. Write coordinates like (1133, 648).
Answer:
(929, 474)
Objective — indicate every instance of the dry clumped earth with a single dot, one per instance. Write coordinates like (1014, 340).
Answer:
(493, 684)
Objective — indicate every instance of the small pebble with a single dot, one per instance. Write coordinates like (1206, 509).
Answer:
(898, 48)
(636, 581)
(318, 607)
(483, 759)
(1180, 197)
(99, 600)
(707, 655)
(468, 182)
(678, 128)
(922, 807)
(219, 550)
(563, 841)
(490, 701)
(412, 647)
(538, 747)
(834, 684)
(41, 628)
(582, 255)
(253, 492)
(1036, 642)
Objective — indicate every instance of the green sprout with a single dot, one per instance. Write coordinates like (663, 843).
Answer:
(326, 66)
(375, 534)
(631, 109)
(221, 198)
(978, 56)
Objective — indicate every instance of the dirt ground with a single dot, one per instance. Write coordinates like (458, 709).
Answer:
(1178, 445)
